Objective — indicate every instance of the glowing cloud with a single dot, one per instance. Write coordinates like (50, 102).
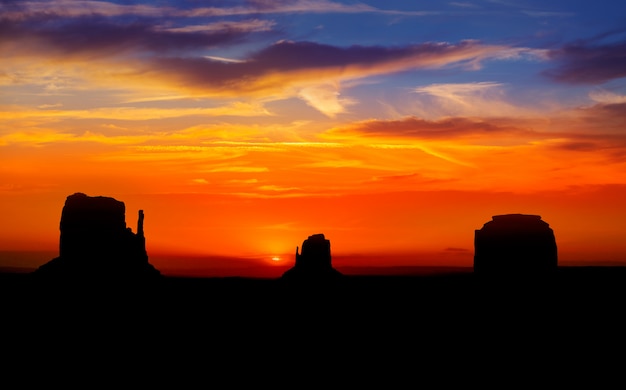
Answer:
(325, 98)
(607, 97)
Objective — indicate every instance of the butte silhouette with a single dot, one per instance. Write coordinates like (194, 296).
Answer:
(515, 243)
(95, 243)
(314, 263)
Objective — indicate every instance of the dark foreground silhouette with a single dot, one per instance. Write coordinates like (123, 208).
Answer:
(465, 298)
(102, 261)
(505, 325)
(392, 329)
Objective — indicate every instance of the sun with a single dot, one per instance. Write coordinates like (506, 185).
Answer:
(275, 258)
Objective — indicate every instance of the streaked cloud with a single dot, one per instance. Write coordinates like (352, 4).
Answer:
(342, 163)
(30, 9)
(597, 119)
(275, 188)
(607, 97)
(255, 25)
(307, 69)
(463, 4)
(420, 129)
(154, 53)
(297, 6)
(283, 69)
(243, 181)
(79, 8)
(47, 106)
(98, 39)
(239, 169)
(454, 90)
(396, 177)
(134, 113)
(588, 62)
(548, 14)
(223, 59)
(479, 99)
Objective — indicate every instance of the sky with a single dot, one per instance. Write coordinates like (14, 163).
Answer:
(394, 128)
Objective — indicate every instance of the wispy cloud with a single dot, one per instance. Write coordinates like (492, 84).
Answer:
(588, 62)
(97, 38)
(275, 188)
(607, 97)
(134, 113)
(48, 106)
(342, 163)
(255, 25)
(164, 51)
(243, 181)
(239, 169)
(223, 59)
(79, 8)
(463, 4)
(421, 129)
(42, 137)
(298, 6)
(548, 14)
(308, 69)
(480, 99)
(454, 90)
(326, 98)
(396, 177)
(600, 118)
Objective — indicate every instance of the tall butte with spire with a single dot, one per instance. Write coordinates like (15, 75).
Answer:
(314, 262)
(95, 242)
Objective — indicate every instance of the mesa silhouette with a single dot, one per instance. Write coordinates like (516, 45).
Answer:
(95, 243)
(314, 263)
(515, 244)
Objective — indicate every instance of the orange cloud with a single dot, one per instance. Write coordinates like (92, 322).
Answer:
(135, 113)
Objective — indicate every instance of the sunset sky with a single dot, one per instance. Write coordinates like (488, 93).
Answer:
(395, 128)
